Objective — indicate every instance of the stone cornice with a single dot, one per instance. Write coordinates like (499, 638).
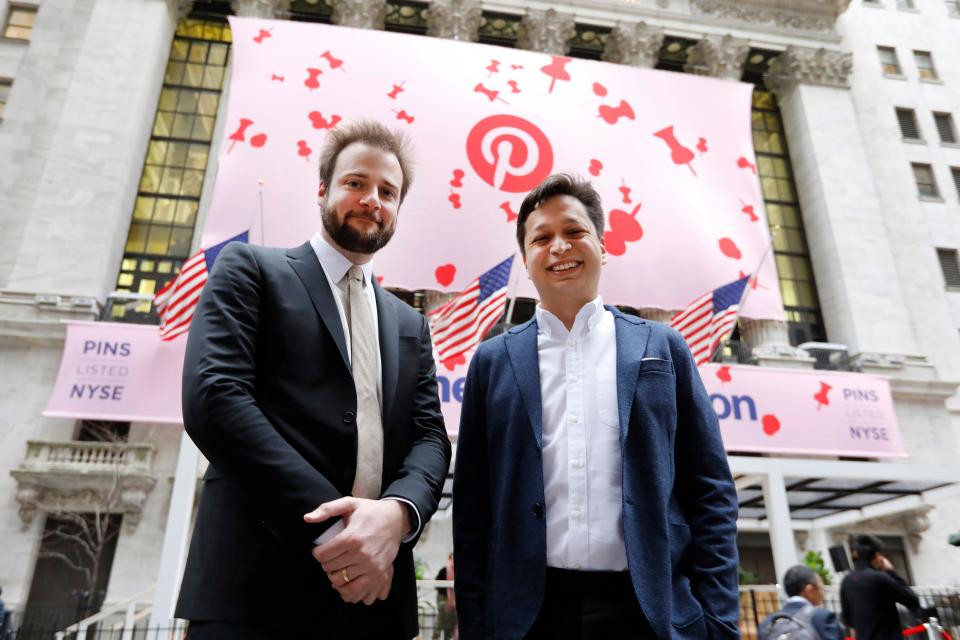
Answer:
(547, 32)
(634, 44)
(261, 8)
(804, 15)
(454, 19)
(363, 14)
(804, 65)
(718, 57)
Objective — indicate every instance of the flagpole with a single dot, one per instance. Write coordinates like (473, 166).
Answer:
(513, 288)
(263, 239)
(746, 292)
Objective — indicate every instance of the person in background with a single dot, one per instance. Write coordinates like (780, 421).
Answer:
(446, 624)
(803, 610)
(869, 594)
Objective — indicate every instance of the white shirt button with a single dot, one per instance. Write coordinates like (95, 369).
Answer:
(574, 419)
(576, 514)
(578, 463)
(573, 377)
(572, 343)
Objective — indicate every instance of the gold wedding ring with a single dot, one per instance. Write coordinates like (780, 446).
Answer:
(343, 572)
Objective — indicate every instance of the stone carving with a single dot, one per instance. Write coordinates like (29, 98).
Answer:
(808, 15)
(34, 498)
(770, 340)
(363, 14)
(805, 65)
(636, 45)
(718, 57)
(454, 19)
(547, 31)
(261, 8)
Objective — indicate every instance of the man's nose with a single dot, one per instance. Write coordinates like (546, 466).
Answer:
(371, 199)
(559, 245)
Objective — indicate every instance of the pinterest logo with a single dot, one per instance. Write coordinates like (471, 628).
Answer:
(509, 153)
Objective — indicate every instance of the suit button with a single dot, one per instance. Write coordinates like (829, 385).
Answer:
(537, 510)
(348, 416)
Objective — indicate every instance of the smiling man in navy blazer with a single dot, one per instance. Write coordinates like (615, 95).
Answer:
(592, 496)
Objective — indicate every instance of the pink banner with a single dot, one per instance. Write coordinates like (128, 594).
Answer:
(671, 154)
(799, 412)
(114, 371)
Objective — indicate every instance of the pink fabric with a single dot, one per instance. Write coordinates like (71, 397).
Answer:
(671, 154)
(114, 371)
(803, 412)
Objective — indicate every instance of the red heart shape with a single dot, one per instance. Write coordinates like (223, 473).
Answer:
(259, 140)
(723, 373)
(599, 89)
(453, 362)
(595, 167)
(445, 274)
(729, 248)
(770, 424)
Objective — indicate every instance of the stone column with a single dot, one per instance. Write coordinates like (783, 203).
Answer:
(718, 57)
(261, 8)
(454, 19)
(637, 45)
(850, 248)
(769, 344)
(547, 31)
(363, 14)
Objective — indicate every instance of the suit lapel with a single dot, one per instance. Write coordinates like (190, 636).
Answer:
(632, 335)
(304, 262)
(389, 346)
(521, 344)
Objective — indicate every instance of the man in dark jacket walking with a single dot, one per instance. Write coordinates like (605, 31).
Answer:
(869, 594)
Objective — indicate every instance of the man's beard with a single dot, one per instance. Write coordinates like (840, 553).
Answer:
(349, 238)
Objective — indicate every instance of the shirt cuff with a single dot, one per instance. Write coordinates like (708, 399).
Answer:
(413, 509)
(330, 533)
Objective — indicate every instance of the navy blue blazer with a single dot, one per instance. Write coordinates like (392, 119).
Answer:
(679, 500)
(824, 621)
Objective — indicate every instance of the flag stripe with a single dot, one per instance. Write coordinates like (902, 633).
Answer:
(703, 325)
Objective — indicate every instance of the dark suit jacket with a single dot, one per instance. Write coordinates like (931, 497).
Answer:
(824, 621)
(679, 501)
(269, 399)
(868, 599)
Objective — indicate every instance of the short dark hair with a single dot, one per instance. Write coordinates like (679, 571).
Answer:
(797, 578)
(865, 547)
(370, 133)
(561, 184)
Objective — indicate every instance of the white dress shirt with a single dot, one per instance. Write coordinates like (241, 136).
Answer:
(582, 472)
(335, 266)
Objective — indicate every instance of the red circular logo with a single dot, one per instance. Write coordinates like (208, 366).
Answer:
(509, 153)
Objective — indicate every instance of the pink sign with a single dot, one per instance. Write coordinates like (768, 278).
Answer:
(671, 155)
(114, 371)
(803, 412)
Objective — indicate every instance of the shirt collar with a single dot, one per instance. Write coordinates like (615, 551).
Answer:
(799, 599)
(587, 318)
(334, 263)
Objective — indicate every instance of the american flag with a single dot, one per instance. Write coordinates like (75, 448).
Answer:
(176, 301)
(710, 318)
(459, 325)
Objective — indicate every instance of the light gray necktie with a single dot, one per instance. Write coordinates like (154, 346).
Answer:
(363, 348)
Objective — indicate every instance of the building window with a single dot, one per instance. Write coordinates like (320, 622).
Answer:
(908, 124)
(674, 53)
(888, 61)
(950, 266)
(165, 211)
(948, 133)
(19, 24)
(311, 10)
(797, 285)
(926, 183)
(589, 42)
(925, 66)
(501, 29)
(955, 171)
(5, 87)
(406, 16)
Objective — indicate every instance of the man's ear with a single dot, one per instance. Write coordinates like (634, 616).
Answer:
(603, 252)
(322, 191)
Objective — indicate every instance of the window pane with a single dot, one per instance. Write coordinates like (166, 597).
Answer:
(137, 238)
(158, 240)
(907, 119)
(22, 17)
(164, 210)
(945, 127)
(198, 52)
(143, 209)
(218, 55)
(180, 242)
(192, 183)
(186, 213)
(150, 182)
